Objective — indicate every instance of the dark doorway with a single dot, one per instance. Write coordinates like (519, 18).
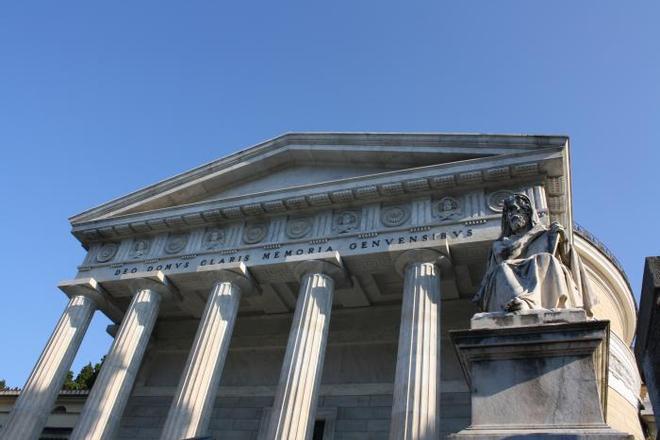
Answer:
(319, 427)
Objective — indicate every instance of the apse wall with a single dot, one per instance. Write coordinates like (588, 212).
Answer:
(616, 304)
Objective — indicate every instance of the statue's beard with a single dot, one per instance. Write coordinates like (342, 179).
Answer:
(517, 222)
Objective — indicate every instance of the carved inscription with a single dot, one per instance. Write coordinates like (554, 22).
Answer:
(374, 244)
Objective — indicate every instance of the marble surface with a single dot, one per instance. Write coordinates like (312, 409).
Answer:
(546, 378)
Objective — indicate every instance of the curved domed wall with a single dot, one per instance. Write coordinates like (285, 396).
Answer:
(616, 304)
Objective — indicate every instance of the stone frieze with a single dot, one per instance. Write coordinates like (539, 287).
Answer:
(370, 227)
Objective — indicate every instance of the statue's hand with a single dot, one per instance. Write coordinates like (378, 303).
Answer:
(515, 305)
(558, 238)
(556, 228)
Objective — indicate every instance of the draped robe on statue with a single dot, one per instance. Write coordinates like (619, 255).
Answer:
(540, 267)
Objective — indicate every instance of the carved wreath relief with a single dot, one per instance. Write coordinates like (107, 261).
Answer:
(140, 247)
(213, 238)
(298, 227)
(346, 221)
(176, 243)
(254, 232)
(394, 215)
(496, 199)
(107, 252)
(447, 208)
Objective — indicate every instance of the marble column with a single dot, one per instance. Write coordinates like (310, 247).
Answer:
(417, 380)
(33, 406)
(294, 408)
(190, 412)
(105, 404)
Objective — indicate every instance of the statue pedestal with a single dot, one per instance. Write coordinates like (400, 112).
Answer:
(539, 374)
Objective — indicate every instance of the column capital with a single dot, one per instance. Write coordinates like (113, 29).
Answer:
(423, 255)
(235, 273)
(132, 283)
(87, 287)
(91, 288)
(328, 263)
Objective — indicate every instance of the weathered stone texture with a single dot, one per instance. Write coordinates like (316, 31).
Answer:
(537, 379)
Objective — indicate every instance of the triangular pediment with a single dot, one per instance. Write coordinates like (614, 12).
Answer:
(292, 175)
(299, 160)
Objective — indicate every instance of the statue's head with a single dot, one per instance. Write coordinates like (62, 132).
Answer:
(518, 215)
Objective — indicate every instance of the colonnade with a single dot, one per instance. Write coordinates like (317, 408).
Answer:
(416, 388)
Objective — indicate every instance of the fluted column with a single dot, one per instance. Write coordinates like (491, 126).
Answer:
(191, 408)
(105, 404)
(33, 406)
(297, 391)
(416, 384)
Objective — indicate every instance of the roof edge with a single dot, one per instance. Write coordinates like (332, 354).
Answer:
(321, 138)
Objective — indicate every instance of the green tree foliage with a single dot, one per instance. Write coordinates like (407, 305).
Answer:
(87, 375)
(3, 385)
(69, 383)
(85, 378)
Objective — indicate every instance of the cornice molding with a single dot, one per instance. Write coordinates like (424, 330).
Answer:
(539, 166)
(494, 144)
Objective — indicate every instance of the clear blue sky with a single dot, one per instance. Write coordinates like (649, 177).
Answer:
(98, 99)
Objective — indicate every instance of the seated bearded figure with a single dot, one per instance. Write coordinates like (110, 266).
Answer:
(532, 266)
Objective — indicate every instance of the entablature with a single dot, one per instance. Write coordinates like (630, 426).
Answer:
(368, 237)
(452, 204)
(543, 168)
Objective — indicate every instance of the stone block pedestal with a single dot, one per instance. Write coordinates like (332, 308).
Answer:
(541, 374)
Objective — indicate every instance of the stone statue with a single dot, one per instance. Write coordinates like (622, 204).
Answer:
(532, 266)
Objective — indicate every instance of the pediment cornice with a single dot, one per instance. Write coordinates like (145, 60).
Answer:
(405, 150)
(544, 165)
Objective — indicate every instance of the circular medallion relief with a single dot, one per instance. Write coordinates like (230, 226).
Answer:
(346, 221)
(394, 215)
(213, 238)
(496, 199)
(176, 243)
(447, 208)
(107, 252)
(140, 247)
(298, 227)
(254, 233)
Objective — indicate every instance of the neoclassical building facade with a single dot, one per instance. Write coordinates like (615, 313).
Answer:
(304, 288)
